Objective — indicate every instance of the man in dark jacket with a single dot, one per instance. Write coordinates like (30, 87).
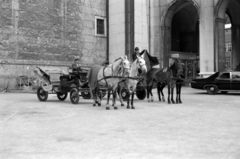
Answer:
(136, 52)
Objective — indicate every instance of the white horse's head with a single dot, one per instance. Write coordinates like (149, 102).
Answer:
(125, 65)
(121, 66)
(141, 64)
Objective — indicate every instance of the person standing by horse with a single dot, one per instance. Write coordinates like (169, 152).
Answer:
(135, 54)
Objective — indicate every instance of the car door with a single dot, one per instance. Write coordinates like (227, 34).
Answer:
(223, 81)
(235, 82)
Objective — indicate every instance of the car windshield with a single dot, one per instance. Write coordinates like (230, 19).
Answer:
(214, 75)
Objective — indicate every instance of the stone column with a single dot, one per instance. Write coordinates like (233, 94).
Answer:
(166, 45)
(116, 29)
(235, 46)
(219, 44)
(206, 29)
(155, 31)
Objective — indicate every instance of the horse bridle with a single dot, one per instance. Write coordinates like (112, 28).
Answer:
(125, 69)
(141, 66)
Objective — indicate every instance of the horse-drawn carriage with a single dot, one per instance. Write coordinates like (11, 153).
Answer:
(56, 81)
(102, 79)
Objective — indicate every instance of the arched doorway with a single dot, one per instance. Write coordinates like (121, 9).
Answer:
(181, 34)
(231, 8)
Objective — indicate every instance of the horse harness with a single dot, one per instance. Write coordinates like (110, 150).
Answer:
(105, 77)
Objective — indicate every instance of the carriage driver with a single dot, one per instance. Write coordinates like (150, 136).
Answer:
(76, 62)
(76, 66)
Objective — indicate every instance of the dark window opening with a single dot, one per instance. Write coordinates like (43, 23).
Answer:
(100, 26)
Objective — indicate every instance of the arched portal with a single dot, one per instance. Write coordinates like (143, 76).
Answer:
(180, 27)
(232, 9)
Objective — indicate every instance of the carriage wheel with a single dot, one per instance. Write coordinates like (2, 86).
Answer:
(141, 93)
(125, 94)
(74, 96)
(102, 93)
(62, 96)
(42, 95)
(212, 90)
(86, 94)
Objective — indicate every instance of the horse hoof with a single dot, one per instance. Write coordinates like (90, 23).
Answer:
(94, 105)
(122, 105)
(149, 100)
(107, 108)
(128, 107)
(133, 107)
(169, 103)
(99, 104)
(115, 108)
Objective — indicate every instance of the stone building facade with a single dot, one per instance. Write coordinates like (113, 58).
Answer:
(192, 30)
(53, 32)
(49, 33)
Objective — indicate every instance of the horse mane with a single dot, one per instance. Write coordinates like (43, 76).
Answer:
(117, 59)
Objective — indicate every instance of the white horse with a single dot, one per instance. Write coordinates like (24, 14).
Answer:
(106, 77)
(131, 82)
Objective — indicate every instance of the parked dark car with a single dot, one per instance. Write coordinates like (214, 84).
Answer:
(219, 82)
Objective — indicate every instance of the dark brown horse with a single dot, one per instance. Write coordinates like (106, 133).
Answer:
(167, 76)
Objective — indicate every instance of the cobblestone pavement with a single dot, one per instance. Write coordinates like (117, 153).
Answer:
(203, 127)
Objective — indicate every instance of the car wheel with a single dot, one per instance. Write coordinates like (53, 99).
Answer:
(224, 92)
(212, 90)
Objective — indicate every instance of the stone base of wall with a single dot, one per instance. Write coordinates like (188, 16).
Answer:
(18, 75)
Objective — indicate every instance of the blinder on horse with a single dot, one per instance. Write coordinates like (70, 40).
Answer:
(179, 69)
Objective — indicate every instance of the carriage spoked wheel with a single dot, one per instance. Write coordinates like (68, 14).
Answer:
(141, 92)
(86, 94)
(212, 90)
(62, 96)
(125, 94)
(42, 95)
(74, 96)
(102, 94)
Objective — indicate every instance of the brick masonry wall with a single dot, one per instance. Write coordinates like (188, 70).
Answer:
(49, 32)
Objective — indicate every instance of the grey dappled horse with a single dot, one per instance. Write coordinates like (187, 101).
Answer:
(131, 82)
(121, 64)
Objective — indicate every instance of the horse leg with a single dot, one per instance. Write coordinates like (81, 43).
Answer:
(172, 91)
(132, 100)
(177, 93)
(114, 91)
(99, 97)
(120, 96)
(151, 93)
(180, 87)
(128, 106)
(94, 98)
(169, 91)
(162, 86)
(108, 97)
(158, 92)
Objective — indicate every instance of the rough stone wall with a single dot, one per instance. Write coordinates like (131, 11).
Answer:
(50, 32)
